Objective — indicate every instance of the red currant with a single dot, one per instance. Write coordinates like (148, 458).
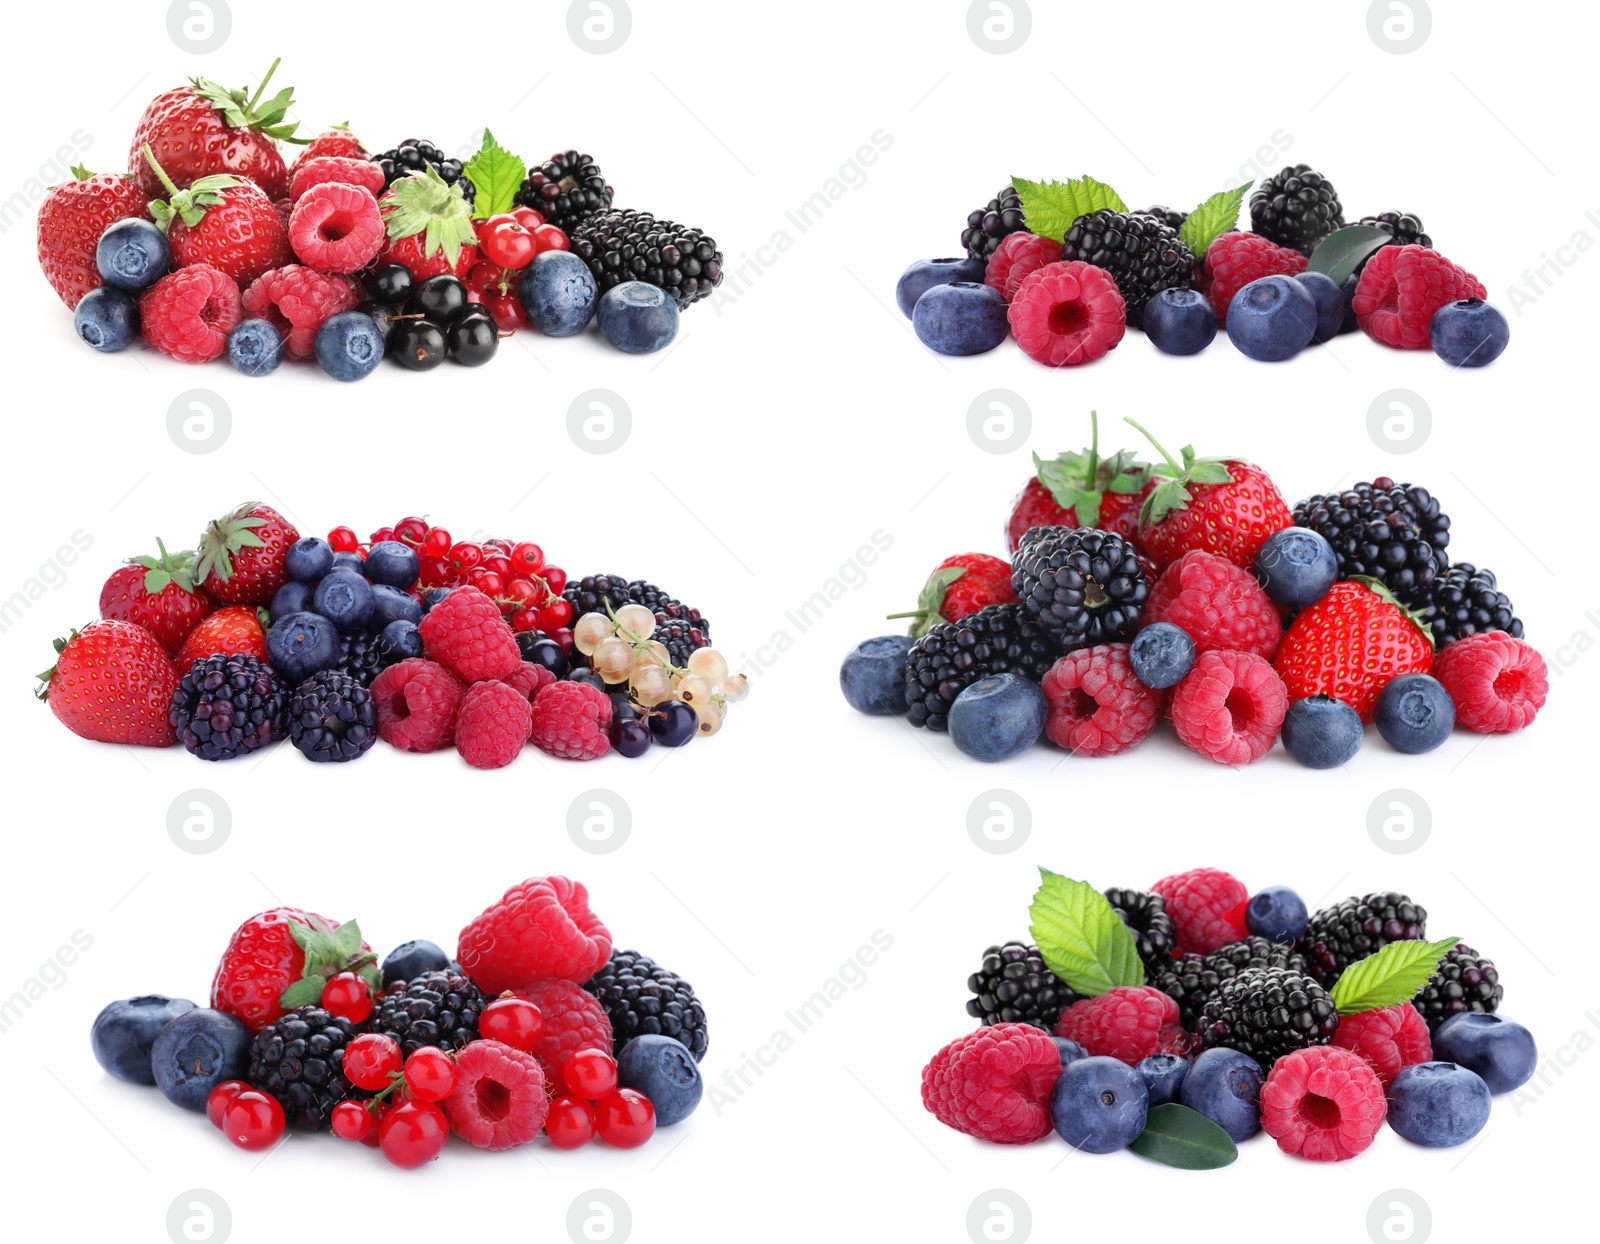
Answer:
(562, 637)
(413, 1133)
(525, 620)
(527, 217)
(466, 556)
(508, 244)
(412, 531)
(378, 1110)
(383, 533)
(556, 578)
(500, 564)
(625, 1119)
(437, 543)
(499, 545)
(347, 994)
(570, 1123)
(527, 559)
(253, 1120)
(430, 1074)
(506, 309)
(555, 615)
(343, 540)
(512, 1021)
(591, 1074)
(487, 582)
(434, 573)
(351, 1120)
(549, 238)
(520, 591)
(371, 1060)
(218, 1098)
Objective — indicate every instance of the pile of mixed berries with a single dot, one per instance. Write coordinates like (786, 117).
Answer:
(1187, 590)
(536, 1027)
(1066, 268)
(211, 244)
(1183, 1019)
(415, 638)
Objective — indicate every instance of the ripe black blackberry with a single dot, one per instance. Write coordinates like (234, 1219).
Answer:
(1466, 981)
(1192, 979)
(631, 245)
(1144, 255)
(332, 717)
(1168, 216)
(640, 996)
(359, 657)
(438, 1008)
(1393, 532)
(1467, 601)
(1267, 1013)
(998, 639)
(300, 1061)
(990, 224)
(1013, 986)
(681, 628)
(1403, 227)
(566, 189)
(1085, 585)
(1154, 934)
(227, 706)
(1296, 207)
(1356, 927)
(412, 155)
(594, 593)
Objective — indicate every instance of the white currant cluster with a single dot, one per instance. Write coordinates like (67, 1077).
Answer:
(620, 649)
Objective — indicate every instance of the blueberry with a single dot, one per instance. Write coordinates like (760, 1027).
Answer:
(638, 318)
(349, 561)
(1348, 289)
(1296, 567)
(1321, 732)
(442, 299)
(1325, 292)
(308, 559)
(391, 284)
(124, 1032)
(963, 317)
(473, 339)
(419, 345)
(1272, 319)
(540, 649)
(558, 292)
(923, 275)
(1163, 1074)
(1099, 1104)
(1469, 333)
(292, 597)
(255, 348)
(399, 641)
(630, 737)
(1277, 914)
(433, 596)
(1070, 1051)
(1161, 655)
(665, 1072)
(132, 255)
(1225, 1086)
(1501, 1051)
(107, 319)
(873, 675)
(195, 1052)
(349, 345)
(1180, 321)
(673, 724)
(410, 960)
(998, 717)
(301, 644)
(393, 562)
(345, 599)
(1438, 1104)
(1415, 714)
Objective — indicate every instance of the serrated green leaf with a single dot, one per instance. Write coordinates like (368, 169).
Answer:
(496, 175)
(1344, 250)
(1177, 1136)
(307, 991)
(1389, 977)
(1050, 207)
(347, 940)
(1080, 938)
(1212, 218)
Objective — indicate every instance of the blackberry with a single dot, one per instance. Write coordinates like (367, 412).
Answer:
(990, 224)
(640, 996)
(412, 155)
(630, 245)
(360, 657)
(1013, 986)
(437, 1008)
(1168, 216)
(998, 639)
(1154, 935)
(1393, 532)
(1085, 586)
(594, 593)
(566, 189)
(1466, 981)
(1267, 1013)
(681, 628)
(1297, 208)
(1403, 227)
(1356, 927)
(1192, 979)
(300, 1061)
(1144, 255)
(332, 717)
(1467, 601)
(227, 706)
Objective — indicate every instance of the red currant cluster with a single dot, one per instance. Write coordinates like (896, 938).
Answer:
(508, 243)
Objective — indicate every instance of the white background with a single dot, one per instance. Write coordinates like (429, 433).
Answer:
(795, 419)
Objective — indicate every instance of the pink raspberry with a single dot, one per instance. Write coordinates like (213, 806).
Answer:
(994, 1083)
(500, 1099)
(1217, 603)
(530, 680)
(1236, 259)
(1207, 907)
(1498, 684)
(188, 314)
(493, 724)
(1229, 707)
(467, 634)
(1324, 1103)
(320, 170)
(1064, 314)
(572, 720)
(296, 300)
(540, 929)
(1391, 1038)
(573, 1020)
(1400, 289)
(1018, 256)
(417, 703)
(1097, 706)
(1128, 1023)
(336, 228)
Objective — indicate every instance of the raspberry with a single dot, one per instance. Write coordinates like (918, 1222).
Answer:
(320, 170)
(1097, 706)
(1323, 1103)
(573, 1020)
(1129, 1023)
(296, 300)
(572, 720)
(1229, 707)
(540, 929)
(1391, 1038)
(493, 725)
(994, 1083)
(188, 314)
(1068, 313)
(1018, 256)
(1207, 906)
(417, 703)
(530, 680)
(285, 210)
(1236, 259)
(1498, 684)
(466, 634)
(1217, 603)
(336, 228)
(500, 1098)
(1400, 289)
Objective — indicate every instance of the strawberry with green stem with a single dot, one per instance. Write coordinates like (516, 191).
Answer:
(958, 587)
(159, 594)
(241, 555)
(112, 683)
(1082, 489)
(1352, 644)
(222, 221)
(429, 226)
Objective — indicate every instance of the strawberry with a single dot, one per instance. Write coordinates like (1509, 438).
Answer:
(223, 222)
(281, 959)
(429, 226)
(71, 220)
(157, 594)
(241, 555)
(1082, 490)
(205, 130)
(1223, 506)
(338, 141)
(958, 587)
(1351, 644)
(112, 682)
(231, 631)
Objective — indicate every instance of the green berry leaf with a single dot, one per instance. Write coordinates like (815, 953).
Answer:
(1389, 977)
(81, 172)
(307, 991)
(1050, 207)
(497, 175)
(928, 613)
(1212, 218)
(1080, 938)
(373, 978)
(1344, 250)
(1177, 1136)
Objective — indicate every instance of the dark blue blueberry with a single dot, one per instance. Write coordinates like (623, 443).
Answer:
(998, 717)
(1225, 1086)
(301, 644)
(1272, 319)
(399, 641)
(1321, 732)
(132, 255)
(1163, 1073)
(1161, 654)
(1276, 913)
(349, 561)
(963, 317)
(1415, 714)
(345, 599)
(923, 275)
(1099, 1104)
(1469, 333)
(292, 597)
(1501, 1051)
(349, 346)
(873, 675)
(393, 562)
(1438, 1104)
(195, 1052)
(390, 604)
(1180, 321)
(107, 319)
(558, 292)
(1325, 292)
(539, 648)
(308, 559)
(1296, 567)
(1348, 289)
(665, 1072)
(124, 1032)
(410, 960)
(433, 596)
(637, 318)
(1070, 1051)
(673, 724)
(255, 348)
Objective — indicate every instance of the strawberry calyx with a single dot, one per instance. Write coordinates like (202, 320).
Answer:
(243, 111)
(1175, 476)
(425, 203)
(930, 604)
(167, 569)
(1078, 481)
(188, 205)
(1380, 589)
(225, 537)
(328, 952)
(42, 691)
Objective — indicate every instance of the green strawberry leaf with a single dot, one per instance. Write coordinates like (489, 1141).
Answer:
(928, 612)
(307, 991)
(373, 978)
(81, 172)
(1212, 218)
(347, 940)
(1389, 977)
(497, 175)
(1177, 1136)
(1080, 938)
(240, 110)
(423, 203)
(1344, 250)
(1050, 207)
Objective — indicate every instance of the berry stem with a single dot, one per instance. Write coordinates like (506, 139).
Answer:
(250, 108)
(1094, 451)
(1161, 449)
(150, 159)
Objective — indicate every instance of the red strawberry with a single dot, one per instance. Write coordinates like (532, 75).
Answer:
(281, 959)
(203, 129)
(157, 594)
(1082, 490)
(71, 220)
(1223, 506)
(429, 227)
(960, 586)
(241, 555)
(112, 682)
(1351, 644)
(234, 630)
(222, 222)
(338, 141)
